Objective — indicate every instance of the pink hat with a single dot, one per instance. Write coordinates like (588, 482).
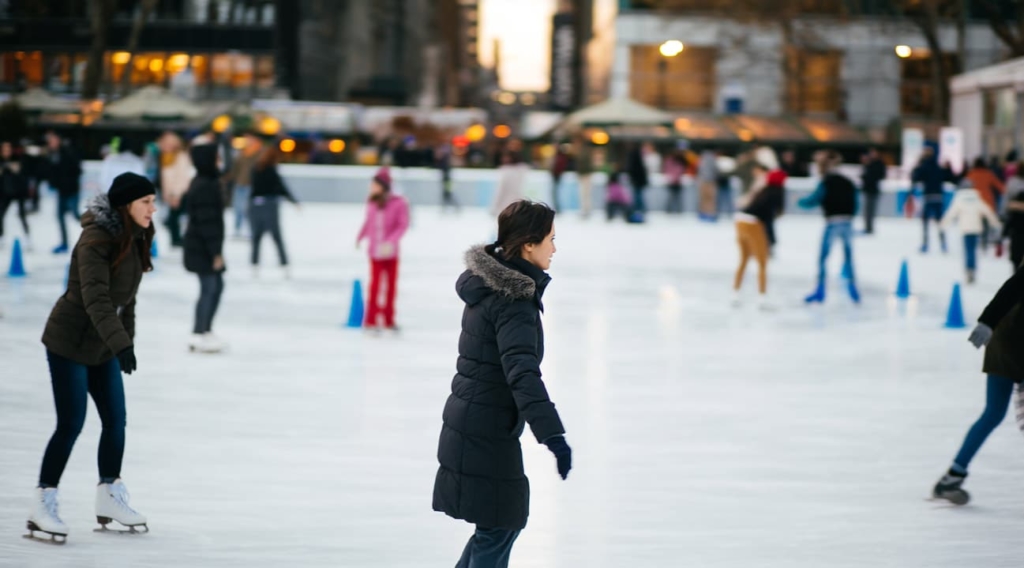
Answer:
(383, 177)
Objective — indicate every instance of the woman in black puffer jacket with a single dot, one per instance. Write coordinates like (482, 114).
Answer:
(204, 243)
(498, 386)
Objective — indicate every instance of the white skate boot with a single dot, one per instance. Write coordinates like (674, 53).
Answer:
(44, 518)
(766, 305)
(112, 505)
(195, 342)
(212, 343)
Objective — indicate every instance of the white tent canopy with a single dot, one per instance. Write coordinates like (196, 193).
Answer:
(39, 100)
(153, 103)
(618, 111)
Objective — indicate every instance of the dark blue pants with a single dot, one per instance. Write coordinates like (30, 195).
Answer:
(932, 210)
(842, 230)
(66, 204)
(971, 252)
(211, 286)
(997, 400)
(72, 384)
(488, 548)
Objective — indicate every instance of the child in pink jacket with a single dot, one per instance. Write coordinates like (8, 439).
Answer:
(387, 218)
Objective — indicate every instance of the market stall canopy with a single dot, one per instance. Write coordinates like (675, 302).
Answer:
(703, 127)
(536, 123)
(311, 117)
(832, 131)
(153, 103)
(379, 120)
(39, 100)
(618, 112)
(751, 128)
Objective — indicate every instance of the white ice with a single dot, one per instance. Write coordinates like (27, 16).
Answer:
(703, 435)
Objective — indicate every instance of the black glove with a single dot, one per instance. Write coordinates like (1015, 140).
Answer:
(563, 454)
(127, 360)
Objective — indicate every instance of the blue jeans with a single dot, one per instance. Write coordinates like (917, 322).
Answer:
(72, 384)
(971, 251)
(240, 205)
(842, 230)
(724, 202)
(488, 548)
(66, 204)
(932, 210)
(997, 400)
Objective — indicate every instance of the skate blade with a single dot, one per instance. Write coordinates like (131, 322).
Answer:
(944, 503)
(117, 528)
(50, 538)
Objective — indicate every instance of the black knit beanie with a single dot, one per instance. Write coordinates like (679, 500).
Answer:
(128, 187)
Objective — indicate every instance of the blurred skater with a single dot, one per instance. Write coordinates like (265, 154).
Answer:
(675, 168)
(268, 188)
(1013, 229)
(498, 389)
(443, 162)
(755, 231)
(62, 169)
(387, 219)
(204, 244)
(511, 181)
(990, 189)
(584, 175)
(932, 178)
(176, 173)
(707, 179)
(974, 216)
(89, 341)
(14, 189)
(837, 197)
(638, 178)
(616, 196)
(1000, 330)
(240, 177)
(871, 186)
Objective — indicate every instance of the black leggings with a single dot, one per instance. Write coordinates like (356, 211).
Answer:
(5, 203)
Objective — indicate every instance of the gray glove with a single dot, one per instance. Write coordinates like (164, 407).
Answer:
(980, 336)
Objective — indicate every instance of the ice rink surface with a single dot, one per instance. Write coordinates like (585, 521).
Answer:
(703, 435)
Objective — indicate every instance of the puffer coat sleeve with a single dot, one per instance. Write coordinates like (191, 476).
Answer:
(94, 272)
(517, 330)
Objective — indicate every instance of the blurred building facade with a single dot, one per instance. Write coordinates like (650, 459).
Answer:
(809, 58)
(400, 52)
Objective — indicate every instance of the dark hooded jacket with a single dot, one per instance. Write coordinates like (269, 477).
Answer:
(95, 318)
(204, 204)
(496, 391)
(1004, 356)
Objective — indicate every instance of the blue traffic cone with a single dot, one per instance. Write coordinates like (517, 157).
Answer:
(17, 269)
(903, 286)
(355, 311)
(955, 315)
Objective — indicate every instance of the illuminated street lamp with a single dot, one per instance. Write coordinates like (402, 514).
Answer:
(903, 51)
(670, 48)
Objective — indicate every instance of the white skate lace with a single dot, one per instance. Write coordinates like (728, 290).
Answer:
(50, 502)
(120, 494)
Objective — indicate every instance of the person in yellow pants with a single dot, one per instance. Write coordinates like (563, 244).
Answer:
(755, 232)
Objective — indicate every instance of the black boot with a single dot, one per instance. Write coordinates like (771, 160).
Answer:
(949, 488)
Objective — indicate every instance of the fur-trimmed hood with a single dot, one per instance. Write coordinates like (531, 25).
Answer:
(486, 275)
(99, 212)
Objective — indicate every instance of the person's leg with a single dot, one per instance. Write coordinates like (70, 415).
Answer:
(985, 230)
(586, 194)
(759, 247)
(997, 400)
(488, 548)
(372, 295)
(203, 305)
(62, 210)
(73, 206)
(239, 203)
(971, 252)
(218, 290)
(107, 390)
(391, 269)
(5, 203)
(275, 232)
(23, 215)
(743, 239)
(826, 247)
(925, 215)
(258, 226)
(870, 208)
(70, 384)
(845, 232)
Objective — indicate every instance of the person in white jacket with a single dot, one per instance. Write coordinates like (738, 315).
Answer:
(970, 211)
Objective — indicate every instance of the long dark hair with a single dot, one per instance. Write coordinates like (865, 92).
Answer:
(124, 241)
(521, 223)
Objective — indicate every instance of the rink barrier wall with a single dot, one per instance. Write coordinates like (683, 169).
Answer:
(476, 187)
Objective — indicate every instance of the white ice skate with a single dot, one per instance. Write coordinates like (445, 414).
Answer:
(112, 505)
(206, 343)
(45, 519)
(765, 305)
(737, 300)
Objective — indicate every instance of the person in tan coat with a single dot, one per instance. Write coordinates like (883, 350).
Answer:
(176, 173)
